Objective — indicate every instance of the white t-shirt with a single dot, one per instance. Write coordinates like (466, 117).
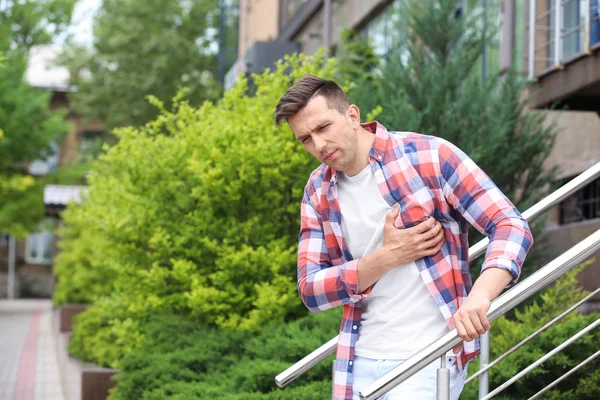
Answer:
(399, 316)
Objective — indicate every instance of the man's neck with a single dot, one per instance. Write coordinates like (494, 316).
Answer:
(365, 142)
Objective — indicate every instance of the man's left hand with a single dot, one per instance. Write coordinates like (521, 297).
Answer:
(471, 318)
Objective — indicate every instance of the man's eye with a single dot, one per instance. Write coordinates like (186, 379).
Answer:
(305, 140)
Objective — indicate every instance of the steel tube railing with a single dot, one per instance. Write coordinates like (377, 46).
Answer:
(565, 376)
(504, 303)
(533, 335)
(318, 355)
(306, 363)
(542, 359)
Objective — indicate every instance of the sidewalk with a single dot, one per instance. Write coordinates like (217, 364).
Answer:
(29, 368)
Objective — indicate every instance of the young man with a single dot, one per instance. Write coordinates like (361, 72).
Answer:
(384, 233)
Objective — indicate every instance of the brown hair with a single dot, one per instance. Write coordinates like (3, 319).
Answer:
(309, 86)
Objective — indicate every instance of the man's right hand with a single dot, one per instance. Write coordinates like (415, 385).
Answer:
(400, 246)
(409, 244)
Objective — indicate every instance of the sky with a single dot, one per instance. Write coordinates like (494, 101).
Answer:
(40, 72)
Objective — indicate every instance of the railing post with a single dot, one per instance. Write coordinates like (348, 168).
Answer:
(12, 253)
(443, 380)
(484, 360)
(531, 38)
(557, 32)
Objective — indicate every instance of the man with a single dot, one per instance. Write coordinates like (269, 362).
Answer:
(383, 232)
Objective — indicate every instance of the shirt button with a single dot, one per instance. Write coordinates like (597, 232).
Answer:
(350, 363)
(380, 157)
(354, 327)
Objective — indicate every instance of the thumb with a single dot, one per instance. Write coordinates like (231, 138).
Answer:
(394, 213)
(457, 348)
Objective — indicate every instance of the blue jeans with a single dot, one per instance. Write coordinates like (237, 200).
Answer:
(420, 386)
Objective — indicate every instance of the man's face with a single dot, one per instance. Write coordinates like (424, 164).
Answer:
(329, 136)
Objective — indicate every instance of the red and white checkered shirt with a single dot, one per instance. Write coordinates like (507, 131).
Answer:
(425, 176)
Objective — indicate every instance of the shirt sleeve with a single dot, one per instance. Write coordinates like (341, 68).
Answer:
(321, 284)
(471, 192)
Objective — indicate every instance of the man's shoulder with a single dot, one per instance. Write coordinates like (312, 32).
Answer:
(417, 147)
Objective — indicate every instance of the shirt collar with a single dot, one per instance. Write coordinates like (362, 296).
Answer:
(381, 139)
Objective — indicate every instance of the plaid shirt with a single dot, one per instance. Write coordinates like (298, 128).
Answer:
(425, 176)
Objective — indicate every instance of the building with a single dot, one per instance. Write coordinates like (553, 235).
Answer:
(554, 43)
(33, 257)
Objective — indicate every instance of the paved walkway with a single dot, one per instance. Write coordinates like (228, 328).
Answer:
(29, 368)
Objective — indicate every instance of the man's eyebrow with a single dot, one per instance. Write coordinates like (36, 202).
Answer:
(318, 127)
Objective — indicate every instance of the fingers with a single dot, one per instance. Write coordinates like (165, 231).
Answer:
(466, 330)
(425, 225)
(484, 321)
(457, 348)
(434, 237)
(434, 250)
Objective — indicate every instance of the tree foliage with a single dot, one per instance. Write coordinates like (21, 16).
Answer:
(195, 213)
(225, 365)
(143, 48)
(28, 128)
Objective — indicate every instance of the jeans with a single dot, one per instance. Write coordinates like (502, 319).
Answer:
(420, 386)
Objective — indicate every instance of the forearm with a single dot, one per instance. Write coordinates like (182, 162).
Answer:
(491, 283)
(371, 268)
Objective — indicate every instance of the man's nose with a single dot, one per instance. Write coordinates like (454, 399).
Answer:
(319, 143)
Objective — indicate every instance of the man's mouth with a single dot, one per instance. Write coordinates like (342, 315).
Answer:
(330, 156)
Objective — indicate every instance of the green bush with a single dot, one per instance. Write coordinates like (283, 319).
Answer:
(505, 333)
(180, 358)
(195, 213)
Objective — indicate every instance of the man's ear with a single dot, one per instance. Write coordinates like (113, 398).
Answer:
(353, 113)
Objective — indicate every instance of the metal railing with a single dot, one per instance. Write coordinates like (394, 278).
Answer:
(504, 303)
(329, 348)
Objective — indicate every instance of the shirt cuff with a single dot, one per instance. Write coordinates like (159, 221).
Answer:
(349, 279)
(506, 264)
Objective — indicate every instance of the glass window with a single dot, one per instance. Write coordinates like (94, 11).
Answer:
(47, 165)
(594, 22)
(39, 248)
(583, 205)
(384, 32)
(290, 7)
(573, 24)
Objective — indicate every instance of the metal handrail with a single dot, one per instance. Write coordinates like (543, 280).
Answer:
(533, 335)
(507, 301)
(318, 355)
(542, 359)
(565, 376)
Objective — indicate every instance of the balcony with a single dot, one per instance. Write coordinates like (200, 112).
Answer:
(561, 52)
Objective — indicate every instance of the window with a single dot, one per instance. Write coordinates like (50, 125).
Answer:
(289, 8)
(47, 165)
(583, 205)
(39, 248)
(573, 28)
(594, 22)
(4, 240)
(384, 32)
(90, 139)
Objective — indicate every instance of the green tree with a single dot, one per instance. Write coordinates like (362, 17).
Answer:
(28, 23)
(143, 48)
(28, 128)
(195, 213)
